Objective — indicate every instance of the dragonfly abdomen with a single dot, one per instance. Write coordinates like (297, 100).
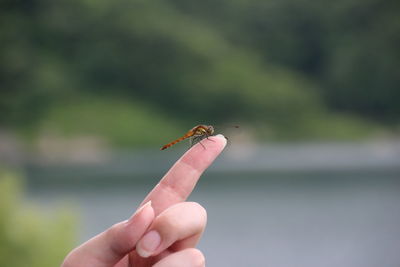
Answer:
(176, 141)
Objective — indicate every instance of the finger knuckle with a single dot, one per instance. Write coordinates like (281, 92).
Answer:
(112, 237)
(197, 257)
(72, 260)
(197, 209)
(113, 231)
(200, 210)
(184, 217)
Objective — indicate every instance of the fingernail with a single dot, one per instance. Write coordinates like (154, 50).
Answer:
(148, 244)
(140, 209)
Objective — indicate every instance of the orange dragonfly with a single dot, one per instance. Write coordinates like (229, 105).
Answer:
(195, 135)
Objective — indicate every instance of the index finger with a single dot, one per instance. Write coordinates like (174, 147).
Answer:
(180, 180)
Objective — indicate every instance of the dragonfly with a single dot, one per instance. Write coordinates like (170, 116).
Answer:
(195, 135)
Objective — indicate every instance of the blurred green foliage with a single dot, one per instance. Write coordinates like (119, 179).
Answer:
(128, 69)
(28, 237)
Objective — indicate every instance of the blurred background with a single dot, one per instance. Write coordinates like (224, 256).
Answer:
(90, 90)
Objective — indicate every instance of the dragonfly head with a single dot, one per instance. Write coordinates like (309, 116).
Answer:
(210, 130)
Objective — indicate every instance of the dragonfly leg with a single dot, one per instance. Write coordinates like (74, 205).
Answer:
(202, 144)
(194, 140)
(209, 138)
(191, 142)
(197, 139)
(201, 138)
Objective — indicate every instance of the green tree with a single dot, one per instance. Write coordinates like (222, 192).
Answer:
(28, 237)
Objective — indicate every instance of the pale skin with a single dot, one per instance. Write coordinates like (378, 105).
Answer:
(165, 229)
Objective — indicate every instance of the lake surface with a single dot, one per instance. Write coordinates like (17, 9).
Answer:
(320, 212)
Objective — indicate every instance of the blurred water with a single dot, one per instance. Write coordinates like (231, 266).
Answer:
(308, 218)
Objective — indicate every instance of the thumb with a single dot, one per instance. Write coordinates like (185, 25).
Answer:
(109, 247)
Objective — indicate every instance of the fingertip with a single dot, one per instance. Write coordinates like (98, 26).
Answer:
(220, 139)
(205, 152)
(212, 146)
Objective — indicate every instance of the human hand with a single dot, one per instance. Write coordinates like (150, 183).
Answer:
(165, 229)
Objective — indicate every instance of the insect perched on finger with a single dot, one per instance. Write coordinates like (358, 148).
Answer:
(195, 135)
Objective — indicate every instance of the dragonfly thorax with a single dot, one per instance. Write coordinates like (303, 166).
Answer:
(206, 130)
